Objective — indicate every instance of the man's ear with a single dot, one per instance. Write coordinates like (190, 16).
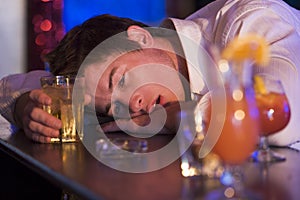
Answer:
(140, 35)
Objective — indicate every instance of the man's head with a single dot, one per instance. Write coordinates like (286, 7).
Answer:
(132, 72)
(110, 65)
(67, 57)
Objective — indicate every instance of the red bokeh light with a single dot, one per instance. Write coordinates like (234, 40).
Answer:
(40, 39)
(47, 28)
(46, 25)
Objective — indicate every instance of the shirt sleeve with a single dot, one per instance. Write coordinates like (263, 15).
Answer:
(13, 86)
(280, 31)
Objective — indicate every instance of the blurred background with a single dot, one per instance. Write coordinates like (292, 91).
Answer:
(29, 29)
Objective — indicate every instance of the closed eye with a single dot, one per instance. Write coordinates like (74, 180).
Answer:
(122, 81)
(116, 109)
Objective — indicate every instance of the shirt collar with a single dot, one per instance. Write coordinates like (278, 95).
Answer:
(191, 38)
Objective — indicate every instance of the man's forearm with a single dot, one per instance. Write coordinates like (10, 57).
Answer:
(20, 105)
(13, 86)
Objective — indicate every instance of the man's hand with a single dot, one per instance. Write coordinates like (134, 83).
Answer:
(37, 124)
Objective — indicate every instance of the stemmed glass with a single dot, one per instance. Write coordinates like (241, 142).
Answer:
(237, 140)
(274, 113)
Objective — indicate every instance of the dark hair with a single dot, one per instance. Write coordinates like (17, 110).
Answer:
(67, 57)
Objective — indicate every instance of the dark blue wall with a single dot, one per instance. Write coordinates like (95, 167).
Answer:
(148, 11)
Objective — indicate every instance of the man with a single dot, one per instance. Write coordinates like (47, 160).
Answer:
(66, 58)
(218, 23)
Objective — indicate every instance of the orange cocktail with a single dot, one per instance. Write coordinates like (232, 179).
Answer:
(240, 133)
(274, 112)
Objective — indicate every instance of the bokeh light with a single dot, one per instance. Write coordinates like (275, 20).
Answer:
(46, 25)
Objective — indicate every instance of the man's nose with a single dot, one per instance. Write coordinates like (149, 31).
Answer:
(136, 103)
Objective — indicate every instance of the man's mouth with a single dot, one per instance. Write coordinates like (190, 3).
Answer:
(152, 106)
(157, 101)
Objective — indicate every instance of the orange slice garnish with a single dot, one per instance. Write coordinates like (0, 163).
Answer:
(248, 47)
(259, 85)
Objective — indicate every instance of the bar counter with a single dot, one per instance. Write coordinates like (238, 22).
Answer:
(72, 168)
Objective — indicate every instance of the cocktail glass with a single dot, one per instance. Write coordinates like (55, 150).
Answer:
(237, 140)
(274, 113)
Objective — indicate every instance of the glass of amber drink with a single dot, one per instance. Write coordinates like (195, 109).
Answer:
(67, 94)
(274, 114)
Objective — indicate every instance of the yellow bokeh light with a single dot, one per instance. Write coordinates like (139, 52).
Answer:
(223, 66)
(237, 95)
(239, 115)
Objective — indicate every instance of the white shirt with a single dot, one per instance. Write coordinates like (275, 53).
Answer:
(222, 20)
(218, 23)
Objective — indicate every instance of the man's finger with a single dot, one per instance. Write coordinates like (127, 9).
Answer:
(43, 130)
(40, 97)
(41, 116)
(37, 137)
